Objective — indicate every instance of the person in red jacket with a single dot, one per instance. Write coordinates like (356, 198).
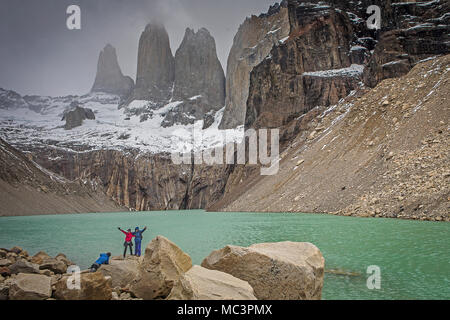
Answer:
(128, 243)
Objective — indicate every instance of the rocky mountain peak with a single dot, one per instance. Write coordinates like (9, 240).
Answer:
(274, 9)
(154, 26)
(198, 71)
(199, 79)
(252, 44)
(156, 65)
(109, 78)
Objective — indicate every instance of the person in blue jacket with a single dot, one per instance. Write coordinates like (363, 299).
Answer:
(103, 259)
(138, 240)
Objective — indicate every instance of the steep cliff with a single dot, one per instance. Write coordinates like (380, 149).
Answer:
(109, 78)
(156, 65)
(421, 30)
(199, 79)
(252, 44)
(330, 50)
(198, 71)
(307, 86)
(313, 67)
(141, 182)
(186, 87)
(28, 189)
(380, 152)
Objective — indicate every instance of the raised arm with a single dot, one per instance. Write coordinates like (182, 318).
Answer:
(121, 230)
(144, 230)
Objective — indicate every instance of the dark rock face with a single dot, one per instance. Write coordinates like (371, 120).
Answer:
(313, 67)
(198, 71)
(252, 44)
(199, 79)
(109, 78)
(75, 117)
(143, 183)
(156, 65)
(28, 189)
(423, 32)
(195, 76)
(356, 9)
(329, 44)
(328, 54)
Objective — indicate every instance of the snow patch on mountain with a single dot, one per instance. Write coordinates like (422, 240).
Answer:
(352, 71)
(114, 128)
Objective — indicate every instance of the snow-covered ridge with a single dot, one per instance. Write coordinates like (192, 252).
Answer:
(113, 128)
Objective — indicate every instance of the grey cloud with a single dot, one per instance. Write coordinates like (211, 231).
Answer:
(39, 55)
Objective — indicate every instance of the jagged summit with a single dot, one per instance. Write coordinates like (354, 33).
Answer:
(191, 31)
(198, 70)
(109, 78)
(199, 79)
(274, 9)
(189, 85)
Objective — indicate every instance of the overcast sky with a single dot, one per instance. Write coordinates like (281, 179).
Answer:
(39, 55)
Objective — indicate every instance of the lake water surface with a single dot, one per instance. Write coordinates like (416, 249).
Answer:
(414, 256)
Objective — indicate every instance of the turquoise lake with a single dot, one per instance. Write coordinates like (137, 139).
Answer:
(414, 256)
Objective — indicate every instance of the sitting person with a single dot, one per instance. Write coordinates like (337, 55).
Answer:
(103, 259)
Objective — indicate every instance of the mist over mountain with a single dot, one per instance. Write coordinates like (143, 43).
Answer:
(41, 47)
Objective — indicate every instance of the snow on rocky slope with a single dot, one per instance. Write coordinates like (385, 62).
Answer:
(381, 152)
(37, 121)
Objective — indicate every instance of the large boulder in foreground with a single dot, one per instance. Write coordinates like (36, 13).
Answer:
(5, 262)
(94, 286)
(62, 257)
(39, 257)
(55, 265)
(30, 287)
(24, 266)
(203, 284)
(276, 271)
(161, 266)
(122, 271)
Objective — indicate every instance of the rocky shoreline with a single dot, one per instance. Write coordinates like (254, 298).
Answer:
(274, 271)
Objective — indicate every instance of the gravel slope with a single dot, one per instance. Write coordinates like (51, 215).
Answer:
(381, 153)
